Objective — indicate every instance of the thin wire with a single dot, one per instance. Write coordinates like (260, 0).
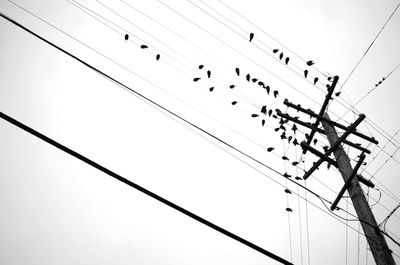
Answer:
(299, 210)
(369, 47)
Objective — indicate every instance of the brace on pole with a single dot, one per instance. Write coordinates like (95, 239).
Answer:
(309, 125)
(318, 153)
(348, 182)
(322, 118)
(334, 146)
(328, 97)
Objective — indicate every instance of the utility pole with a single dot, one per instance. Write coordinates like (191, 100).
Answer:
(377, 243)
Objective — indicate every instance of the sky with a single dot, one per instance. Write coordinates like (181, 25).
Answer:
(57, 210)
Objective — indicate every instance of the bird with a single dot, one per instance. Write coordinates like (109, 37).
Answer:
(254, 80)
(281, 56)
(248, 77)
(285, 158)
(201, 66)
(338, 93)
(268, 89)
(251, 36)
(310, 63)
(325, 148)
(283, 136)
(254, 115)
(275, 93)
(158, 57)
(305, 73)
(264, 109)
(260, 83)
(289, 209)
(295, 163)
(144, 46)
(315, 80)
(126, 37)
(276, 129)
(286, 175)
(282, 127)
(196, 79)
(290, 139)
(231, 86)
(287, 60)
(270, 149)
(211, 89)
(298, 178)
(275, 50)
(237, 71)
(234, 102)
(208, 73)
(263, 122)
(270, 112)
(295, 142)
(315, 141)
(288, 191)
(294, 128)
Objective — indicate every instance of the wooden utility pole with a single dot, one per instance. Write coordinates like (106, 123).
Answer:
(377, 243)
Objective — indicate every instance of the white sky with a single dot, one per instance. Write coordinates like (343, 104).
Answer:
(56, 210)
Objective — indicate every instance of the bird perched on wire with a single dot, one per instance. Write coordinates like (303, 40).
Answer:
(289, 209)
(310, 63)
(158, 57)
(285, 158)
(208, 73)
(275, 50)
(211, 89)
(288, 191)
(287, 60)
(237, 70)
(248, 77)
(281, 56)
(254, 115)
(196, 79)
(315, 80)
(144, 46)
(201, 66)
(264, 109)
(270, 112)
(234, 102)
(251, 36)
(126, 37)
(268, 89)
(270, 149)
(305, 73)
(276, 93)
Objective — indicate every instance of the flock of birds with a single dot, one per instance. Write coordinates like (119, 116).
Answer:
(291, 139)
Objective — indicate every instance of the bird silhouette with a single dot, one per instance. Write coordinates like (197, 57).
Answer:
(270, 112)
(158, 57)
(234, 102)
(294, 128)
(263, 122)
(276, 93)
(285, 158)
(254, 115)
(325, 148)
(315, 141)
(248, 77)
(260, 83)
(264, 109)
(286, 175)
(310, 63)
(338, 93)
(298, 178)
(237, 71)
(196, 79)
(288, 191)
(305, 73)
(201, 66)
(208, 73)
(270, 149)
(268, 89)
(282, 127)
(290, 139)
(275, 50)
(126, 37)
(254, 80)
(295, 163)
(211, 89)
(276, 129)
(231, 86)
(281, 56)
(287, 60)
(251, 36)
(283, 136)
(315, 80)
(144, 46)
(289, 209)
(295, 142)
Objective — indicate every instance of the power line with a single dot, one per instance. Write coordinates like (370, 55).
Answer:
(161, 107)
(141, 189)
(369, 47)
